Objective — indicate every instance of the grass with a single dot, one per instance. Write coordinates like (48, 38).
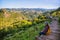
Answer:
(28, 34)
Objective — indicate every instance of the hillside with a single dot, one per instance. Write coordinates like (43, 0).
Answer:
(19, 22)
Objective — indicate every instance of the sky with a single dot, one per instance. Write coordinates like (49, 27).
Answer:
(49, 4)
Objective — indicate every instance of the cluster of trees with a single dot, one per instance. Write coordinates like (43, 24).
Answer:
(56, 13)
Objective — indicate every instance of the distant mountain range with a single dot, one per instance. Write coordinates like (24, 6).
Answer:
(26, 9)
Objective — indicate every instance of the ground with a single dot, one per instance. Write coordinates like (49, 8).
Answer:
(55, 32)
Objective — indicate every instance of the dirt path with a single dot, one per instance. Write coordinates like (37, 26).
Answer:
(54, 28)
(55, 34)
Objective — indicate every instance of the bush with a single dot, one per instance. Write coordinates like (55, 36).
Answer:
(59, 20)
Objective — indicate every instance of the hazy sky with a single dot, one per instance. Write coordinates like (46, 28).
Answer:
(29, 4)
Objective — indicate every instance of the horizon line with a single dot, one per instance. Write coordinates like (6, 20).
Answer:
(29, 8)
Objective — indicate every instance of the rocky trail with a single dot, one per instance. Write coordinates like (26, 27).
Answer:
(55, 34)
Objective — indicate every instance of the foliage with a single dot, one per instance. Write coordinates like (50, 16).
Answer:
(29, 34)
(59, 20)
(17, 21)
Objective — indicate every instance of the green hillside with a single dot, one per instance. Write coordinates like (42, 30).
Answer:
(21, 25)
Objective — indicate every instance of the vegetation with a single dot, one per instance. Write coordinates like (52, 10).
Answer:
(56, 13)
(22, 25)
(28, 34)
(59, 20)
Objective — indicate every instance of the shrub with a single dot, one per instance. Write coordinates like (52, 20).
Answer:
(59, 20)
